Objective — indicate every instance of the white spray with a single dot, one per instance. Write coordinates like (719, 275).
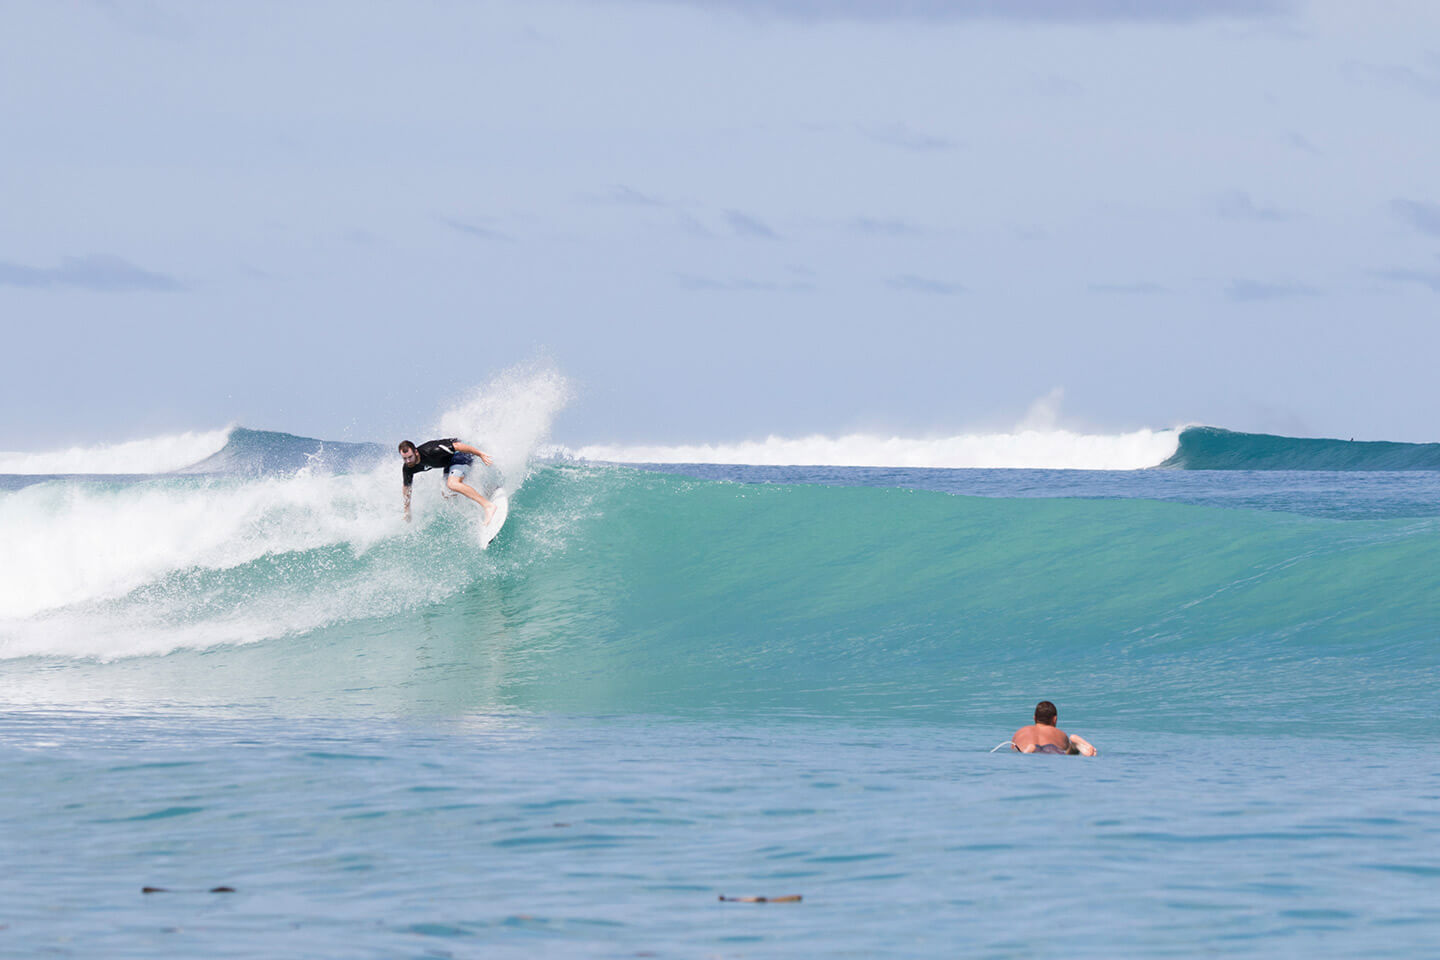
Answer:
(1022, 449)
(1037, 443)
(509, 418)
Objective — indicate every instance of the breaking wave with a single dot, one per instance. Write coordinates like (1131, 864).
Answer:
(1211, 448)
(1023, 449)
(153, 455)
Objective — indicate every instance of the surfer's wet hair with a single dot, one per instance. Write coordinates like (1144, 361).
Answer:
(406, 446)
(1046, 713)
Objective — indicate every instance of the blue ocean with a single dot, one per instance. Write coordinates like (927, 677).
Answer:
(246, 710)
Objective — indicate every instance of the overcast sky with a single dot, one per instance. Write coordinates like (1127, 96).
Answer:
(720, 218)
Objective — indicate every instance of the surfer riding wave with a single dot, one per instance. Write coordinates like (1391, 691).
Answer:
(454, 458)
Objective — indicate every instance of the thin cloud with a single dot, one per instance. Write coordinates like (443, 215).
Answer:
(884, 227)
(899, 135)
(99, 273)
(913, 283)
(1252, 291)
(475, 230)
(1039, 11)
(1054, 85)
(1424, 217)
(745, 225)
(1425, 278)
(692, 226)
(703, 284)
(1300, 143)
(1128, 289)
(1425, 82)
(145, 19)
(1237, 205)
(627, 197)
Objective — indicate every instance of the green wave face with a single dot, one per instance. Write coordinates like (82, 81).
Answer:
(899, 602)
(1211, 448)
(618, 591)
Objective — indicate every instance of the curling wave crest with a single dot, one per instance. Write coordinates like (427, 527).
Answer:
(153, 455)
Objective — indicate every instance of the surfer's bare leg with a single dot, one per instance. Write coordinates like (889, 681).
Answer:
(460, 486)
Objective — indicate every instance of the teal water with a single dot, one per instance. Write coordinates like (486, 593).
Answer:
(618, 590)
(1211, 448)
(658, 688)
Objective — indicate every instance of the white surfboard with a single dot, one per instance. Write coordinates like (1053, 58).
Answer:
(501, 499)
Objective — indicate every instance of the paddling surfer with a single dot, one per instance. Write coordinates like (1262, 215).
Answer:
(454, 458)
(1044, 737)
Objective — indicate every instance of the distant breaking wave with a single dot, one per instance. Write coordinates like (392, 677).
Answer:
(1211, 448)
(234, 450)
(1022, 449)
(267, 452)
(153, 455)
(1187, 448)
(508, 416)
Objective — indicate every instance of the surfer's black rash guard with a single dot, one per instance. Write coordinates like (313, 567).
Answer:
(436, 454)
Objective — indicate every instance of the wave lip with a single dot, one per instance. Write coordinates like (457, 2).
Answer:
(1021, 449)
(1214, 448)
(152, 455)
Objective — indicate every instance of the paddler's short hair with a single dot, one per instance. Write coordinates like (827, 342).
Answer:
(406, 446)
(1046, 713)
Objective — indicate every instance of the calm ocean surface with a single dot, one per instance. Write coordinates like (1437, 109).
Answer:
(613, 837)
(665, 686)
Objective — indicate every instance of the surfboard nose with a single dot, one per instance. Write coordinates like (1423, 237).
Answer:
(488, 530)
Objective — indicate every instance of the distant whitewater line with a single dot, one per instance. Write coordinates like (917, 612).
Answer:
(1022, 449)
(1181, 448)
(152, 455)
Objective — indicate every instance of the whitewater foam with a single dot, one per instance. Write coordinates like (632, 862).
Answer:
(152, 455)
(509, 418)
(77, 543)
(118, 568)
(1051, 449)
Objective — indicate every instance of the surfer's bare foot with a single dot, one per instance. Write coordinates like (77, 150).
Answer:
(489, 513)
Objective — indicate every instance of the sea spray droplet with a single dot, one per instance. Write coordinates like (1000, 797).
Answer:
(509, 418)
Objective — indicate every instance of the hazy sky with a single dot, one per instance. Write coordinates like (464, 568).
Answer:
(720, 218)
